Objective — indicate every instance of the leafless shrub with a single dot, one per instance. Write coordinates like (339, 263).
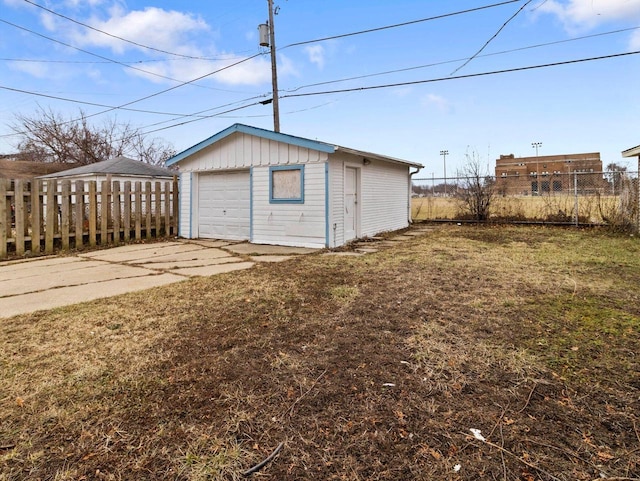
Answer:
(476, 191)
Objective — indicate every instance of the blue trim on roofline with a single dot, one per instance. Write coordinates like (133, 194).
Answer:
(255, 131)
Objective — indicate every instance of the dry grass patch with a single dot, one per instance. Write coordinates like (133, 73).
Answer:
(371, 367)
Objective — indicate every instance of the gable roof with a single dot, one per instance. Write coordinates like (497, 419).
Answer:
(26, 169)
(284, 138)
(115, 166)
(632, 152)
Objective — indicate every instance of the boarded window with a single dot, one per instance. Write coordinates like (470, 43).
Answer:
(286, 184)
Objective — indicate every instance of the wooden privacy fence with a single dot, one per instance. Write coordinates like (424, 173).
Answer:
(47, 216)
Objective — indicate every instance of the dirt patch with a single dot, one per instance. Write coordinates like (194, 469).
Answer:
(373, 367)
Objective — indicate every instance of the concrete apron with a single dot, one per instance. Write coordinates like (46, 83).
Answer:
(45, 283)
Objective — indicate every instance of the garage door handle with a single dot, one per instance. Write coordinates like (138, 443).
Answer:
(224, 212)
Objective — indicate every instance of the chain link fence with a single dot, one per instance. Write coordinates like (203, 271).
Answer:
(577, 198)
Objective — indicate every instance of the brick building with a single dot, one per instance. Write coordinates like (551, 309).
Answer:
(547, 174)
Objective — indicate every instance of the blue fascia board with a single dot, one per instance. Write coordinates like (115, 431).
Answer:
(257, 132)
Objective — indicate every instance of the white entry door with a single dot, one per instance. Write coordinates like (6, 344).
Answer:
(350, 203)
(224, 205)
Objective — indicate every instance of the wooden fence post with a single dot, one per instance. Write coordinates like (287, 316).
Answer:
(79, 208)
(93, 213)
(158, 208)
(51, 218)
(104, 212)
(148, 209)
(65, 214)
(36, 215)
(19, 211)
(127, 211)
(3, 218)
(115, 198)
(138, 210)
(167, 209)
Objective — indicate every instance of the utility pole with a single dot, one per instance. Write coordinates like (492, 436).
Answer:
(274, 71)
(444, 154)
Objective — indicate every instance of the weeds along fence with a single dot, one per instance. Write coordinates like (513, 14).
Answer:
(577, 198)
(48, 216)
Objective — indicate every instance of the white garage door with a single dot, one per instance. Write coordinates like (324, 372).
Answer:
(224, 205)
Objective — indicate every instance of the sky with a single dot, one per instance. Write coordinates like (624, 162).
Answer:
(183, 71)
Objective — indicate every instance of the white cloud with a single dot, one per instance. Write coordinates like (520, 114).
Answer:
(437, 102)
(35, 69)
(163, 29)
(586, 14)
(316, 55)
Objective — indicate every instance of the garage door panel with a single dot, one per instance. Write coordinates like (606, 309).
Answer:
(224, 205)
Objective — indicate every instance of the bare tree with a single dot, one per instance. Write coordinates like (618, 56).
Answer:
(46, 136)
(476, 189)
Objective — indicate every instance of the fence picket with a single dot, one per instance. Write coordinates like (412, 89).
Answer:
(127, 211)
(36, 215)
(138, 210)
(148, 209)
(65, 213)
(93, 213)
(115, 197)
(46, 216)
(19, 217)
(158, 208)
(79, 214)
(51, 217)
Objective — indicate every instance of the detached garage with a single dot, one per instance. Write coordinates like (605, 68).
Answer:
(246, 183)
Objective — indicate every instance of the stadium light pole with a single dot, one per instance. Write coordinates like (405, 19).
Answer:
(537, 145)
(444, 154)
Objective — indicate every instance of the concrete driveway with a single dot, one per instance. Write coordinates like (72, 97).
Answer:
(49, 282)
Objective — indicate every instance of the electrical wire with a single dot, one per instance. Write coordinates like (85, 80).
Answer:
(444, 62)
(53, 12)
(92, 104)
(481, 74)
(403, 24)
(51, 39)
(492, 38)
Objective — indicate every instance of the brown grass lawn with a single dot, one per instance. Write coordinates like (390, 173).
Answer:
(366, 368)
(556, 208)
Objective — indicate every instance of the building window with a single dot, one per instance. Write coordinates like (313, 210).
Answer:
(504, 174)
(286, 184)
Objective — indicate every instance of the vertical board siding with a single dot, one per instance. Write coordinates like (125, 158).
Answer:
(290, 224)
(62, 215)
(240, 151)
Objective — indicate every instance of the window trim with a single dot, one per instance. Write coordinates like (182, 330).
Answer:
(280, 168)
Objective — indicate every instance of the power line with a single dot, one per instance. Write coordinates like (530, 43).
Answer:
(98, 55)
(435, 64)
(92, 104)
(111, 35)
(482, 74)
(492, 37)
(403, 24)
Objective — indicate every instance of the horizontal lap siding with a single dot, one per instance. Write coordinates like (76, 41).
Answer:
(290, 224)
(384, 197)
(336, 196)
